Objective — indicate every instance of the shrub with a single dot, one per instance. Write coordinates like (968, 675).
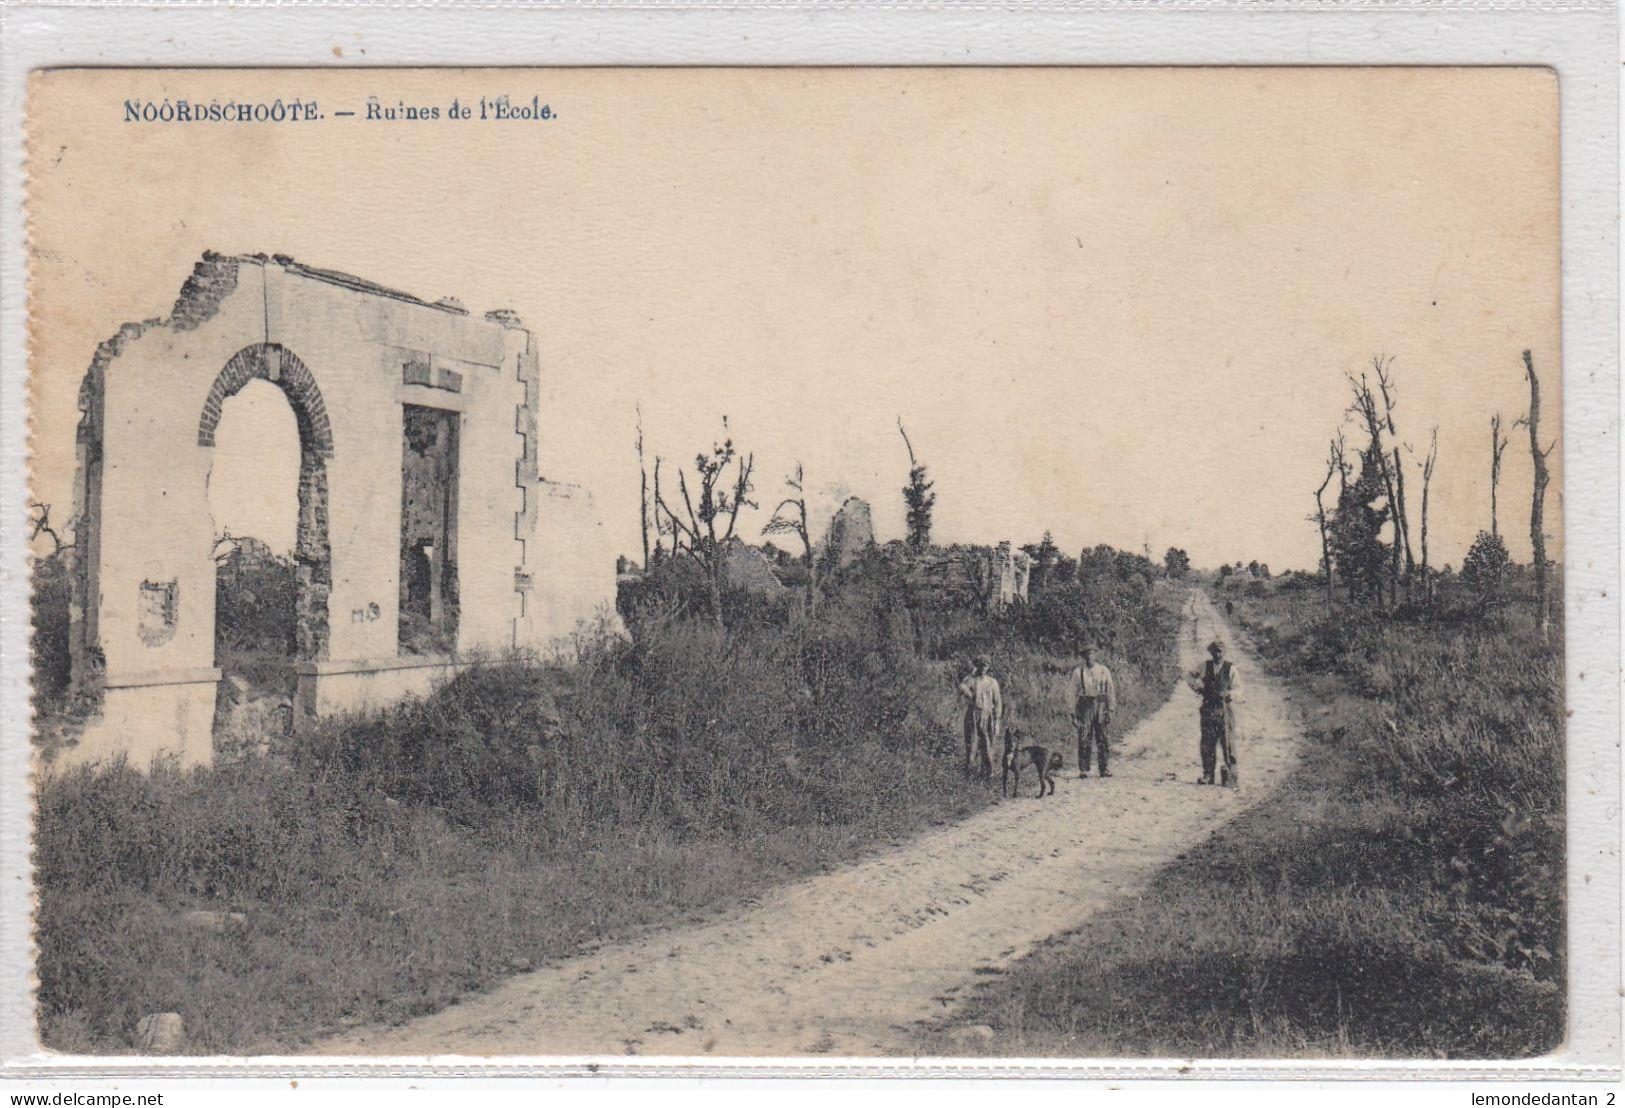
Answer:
(255, 600)
(1484, 567)
(48, 632)
(255, 605)
(378, 856)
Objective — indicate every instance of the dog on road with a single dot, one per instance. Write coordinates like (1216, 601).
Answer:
(1033, 756)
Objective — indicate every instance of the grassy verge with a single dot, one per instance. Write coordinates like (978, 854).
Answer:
(1400, 896)
(524, 812)
(378, 916)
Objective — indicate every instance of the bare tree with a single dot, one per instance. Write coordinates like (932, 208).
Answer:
(724, 481)
(790, 517)
(1498, 444)
(662, 526)
(1334, 466)
(1365, 406)
(643, 492)
(1383, 367)
(1537, 508)
(1427, 480)
(40, 517)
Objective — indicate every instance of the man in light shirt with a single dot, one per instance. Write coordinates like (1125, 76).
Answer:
(984, 713)
(1096, 698)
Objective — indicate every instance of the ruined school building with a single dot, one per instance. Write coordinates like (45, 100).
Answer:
(426, 533)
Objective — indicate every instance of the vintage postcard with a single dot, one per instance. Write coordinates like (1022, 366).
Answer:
(1043, 563)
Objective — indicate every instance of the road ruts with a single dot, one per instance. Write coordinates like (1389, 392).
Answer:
(850, 961)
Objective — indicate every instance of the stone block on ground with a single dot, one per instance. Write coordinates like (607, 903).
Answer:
(202, 919)
(160, 1033)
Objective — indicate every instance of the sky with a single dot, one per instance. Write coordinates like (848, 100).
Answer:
(1116, 305)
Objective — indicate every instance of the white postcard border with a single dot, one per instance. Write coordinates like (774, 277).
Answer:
(1577, 39)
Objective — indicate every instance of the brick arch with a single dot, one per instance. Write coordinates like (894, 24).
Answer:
(312, 552)
(281, 367)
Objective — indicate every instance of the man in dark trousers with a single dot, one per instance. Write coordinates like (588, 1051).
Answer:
(984, 714)
(1217, 685)
(1095, 696)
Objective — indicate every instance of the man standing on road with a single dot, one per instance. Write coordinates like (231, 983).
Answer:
(1096, 700)
(1217, 685)
(984, 713)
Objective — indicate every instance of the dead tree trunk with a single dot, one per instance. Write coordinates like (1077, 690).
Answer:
(643, 492)
(716, 501)
(659, 506)
(705, 542)
(1342, 496)
(1402, 528)
(1402, 519)
(917, 496)
(1334, 466)
(796, 524)
(1498, 443)
(1537, 507)
(42, 526)
(1427, 481)
(1365, 405)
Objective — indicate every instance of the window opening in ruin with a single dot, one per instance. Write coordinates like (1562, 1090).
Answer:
(254, 497)
(428, 592)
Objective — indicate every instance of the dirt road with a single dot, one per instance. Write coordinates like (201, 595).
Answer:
(846, 962)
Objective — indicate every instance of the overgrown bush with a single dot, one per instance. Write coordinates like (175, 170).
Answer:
(48, 632)
(255, 615)
(390, 862)
(1484, 567)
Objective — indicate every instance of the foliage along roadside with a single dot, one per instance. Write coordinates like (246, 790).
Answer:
(386, 865)
(1400, 896)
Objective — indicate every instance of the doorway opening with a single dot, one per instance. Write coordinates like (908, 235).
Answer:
(254, 499)
(267, 426)
(428, 586)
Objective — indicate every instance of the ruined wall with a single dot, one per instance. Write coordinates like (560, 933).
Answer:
(1009, 572)
(990, 577)
(571, 590)
(851, 531)
(353, 359)
(143, 616)
(745, 567)
(963, 576)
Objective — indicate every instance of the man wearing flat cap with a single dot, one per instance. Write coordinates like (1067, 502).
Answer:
(1217, 685)
(984, 713)
(1094, 694)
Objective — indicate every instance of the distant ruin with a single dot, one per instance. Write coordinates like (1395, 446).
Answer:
(991, 578)
(851, 532)
(425, 533)
(748, 569)
(1008, 575)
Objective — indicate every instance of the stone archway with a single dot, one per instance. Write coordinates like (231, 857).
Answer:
(312, 551)
(143, 641)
